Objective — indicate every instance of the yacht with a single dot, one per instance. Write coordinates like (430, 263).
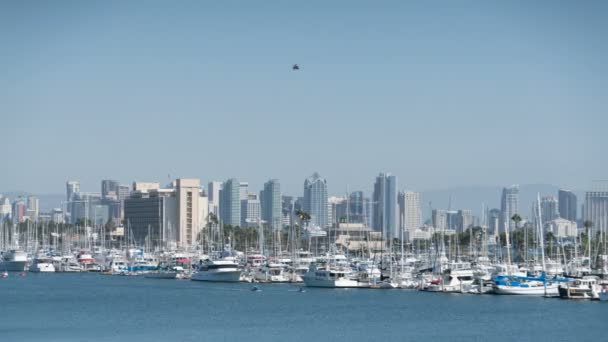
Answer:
(459, 281)
(580, 288)
(329, 277)
(272, 272)
(42, 264)
(14, 260)
(221, 270)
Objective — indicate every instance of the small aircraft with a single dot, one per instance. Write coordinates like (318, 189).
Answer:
(295, 67)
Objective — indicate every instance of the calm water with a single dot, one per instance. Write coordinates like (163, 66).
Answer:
(94, 307)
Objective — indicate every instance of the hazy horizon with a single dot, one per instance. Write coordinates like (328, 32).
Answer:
(467, 93)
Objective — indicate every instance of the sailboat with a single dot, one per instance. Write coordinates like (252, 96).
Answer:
(532, 286)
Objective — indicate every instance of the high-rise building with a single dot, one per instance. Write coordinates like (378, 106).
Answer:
(439, 219)
(83, 207)
(359, 208)
(494, 216)
(596, 209)
(549, 209)
(336, 211)
(287, 210)
(271, 204)
(315, 200)
(243, 190)
(6, 210)
(213, 190)
(72, 187)
(18, 211)
(250, 211)
(509, 206)
(188, 193)
(109, 189)
(57, 215)
(230, 203)
(123, 192)
(33, 208)
(386, 216)
(410, 214)
(152, 215)
(567, 204)
(465, 219)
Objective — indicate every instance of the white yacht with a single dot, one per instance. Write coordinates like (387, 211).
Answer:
(272, 272)
(453, 281)
(222, 270)
(14, 260)
(42, 264)
(329, 277)
(586, 287)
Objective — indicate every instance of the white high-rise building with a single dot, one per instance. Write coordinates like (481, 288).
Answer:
(509, 206)
(243, 190)
(315, 200)
(410, 213)
(250, 211)
(596, 209)
(33, 208)
(213, 191)
(188, 214)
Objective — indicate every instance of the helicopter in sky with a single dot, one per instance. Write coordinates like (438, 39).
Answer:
(295, 67)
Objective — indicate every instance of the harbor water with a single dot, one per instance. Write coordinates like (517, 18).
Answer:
(96, 307)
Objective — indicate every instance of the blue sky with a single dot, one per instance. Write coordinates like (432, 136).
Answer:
(440, 93)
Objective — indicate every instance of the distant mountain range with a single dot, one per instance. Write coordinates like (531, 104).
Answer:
(461, 197)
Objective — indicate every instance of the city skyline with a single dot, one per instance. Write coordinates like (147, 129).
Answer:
(414, 93)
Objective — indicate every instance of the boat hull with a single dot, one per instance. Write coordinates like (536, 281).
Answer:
(330, 283)
(42, 268)
(551, 290)
(223, 277)
(161, 275)
(13, 266)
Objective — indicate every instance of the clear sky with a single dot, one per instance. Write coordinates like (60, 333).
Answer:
(440, 93)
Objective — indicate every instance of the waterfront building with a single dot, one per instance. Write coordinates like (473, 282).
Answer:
(385, 213)
(567, 204)
(188, 193)
(410, 213)
(315, 200)
(509, 206)
(230, 203)
(270, 198)
(151, 215)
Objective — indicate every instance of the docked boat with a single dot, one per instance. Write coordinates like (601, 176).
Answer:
(329, 277)
(459, 281)
(580, 288)
(161, 274)
(530, 286)
(225, 269)
(14, 260)
(272, 272)
(42, 264)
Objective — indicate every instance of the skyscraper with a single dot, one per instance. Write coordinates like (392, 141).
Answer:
(213, 191)
(465, 219)
(109, 189)
(33, 208)
(72, 187)
(409, 212)
(187, 192)
(230, 203)
(439, 218)
(315, 200)
(567, 204)
(250, 210)
(386, 215)
(494, 216)
(243, 190)
(271, 204)
(509, 206)
(549, 208)
(596, 209)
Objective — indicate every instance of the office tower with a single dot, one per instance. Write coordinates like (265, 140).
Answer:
(109, 189)
(413, 212)
(465, 219)
(549, 208)
(152, 215)
(57, 215)
(33, 208)
(315, 200)
(251, 210)
(439, 219)
(271, 204)
(358, 208)
(230, 203)
(243, 190)
(123, 192)
(18, 211)
(386, 215)
(493, 218)
(72, 187)
(213, 192)
(145, 186)
(596, 209)
(287, 210)
(509, 206)
(567, 204)
(452, 219)
(6, 209)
